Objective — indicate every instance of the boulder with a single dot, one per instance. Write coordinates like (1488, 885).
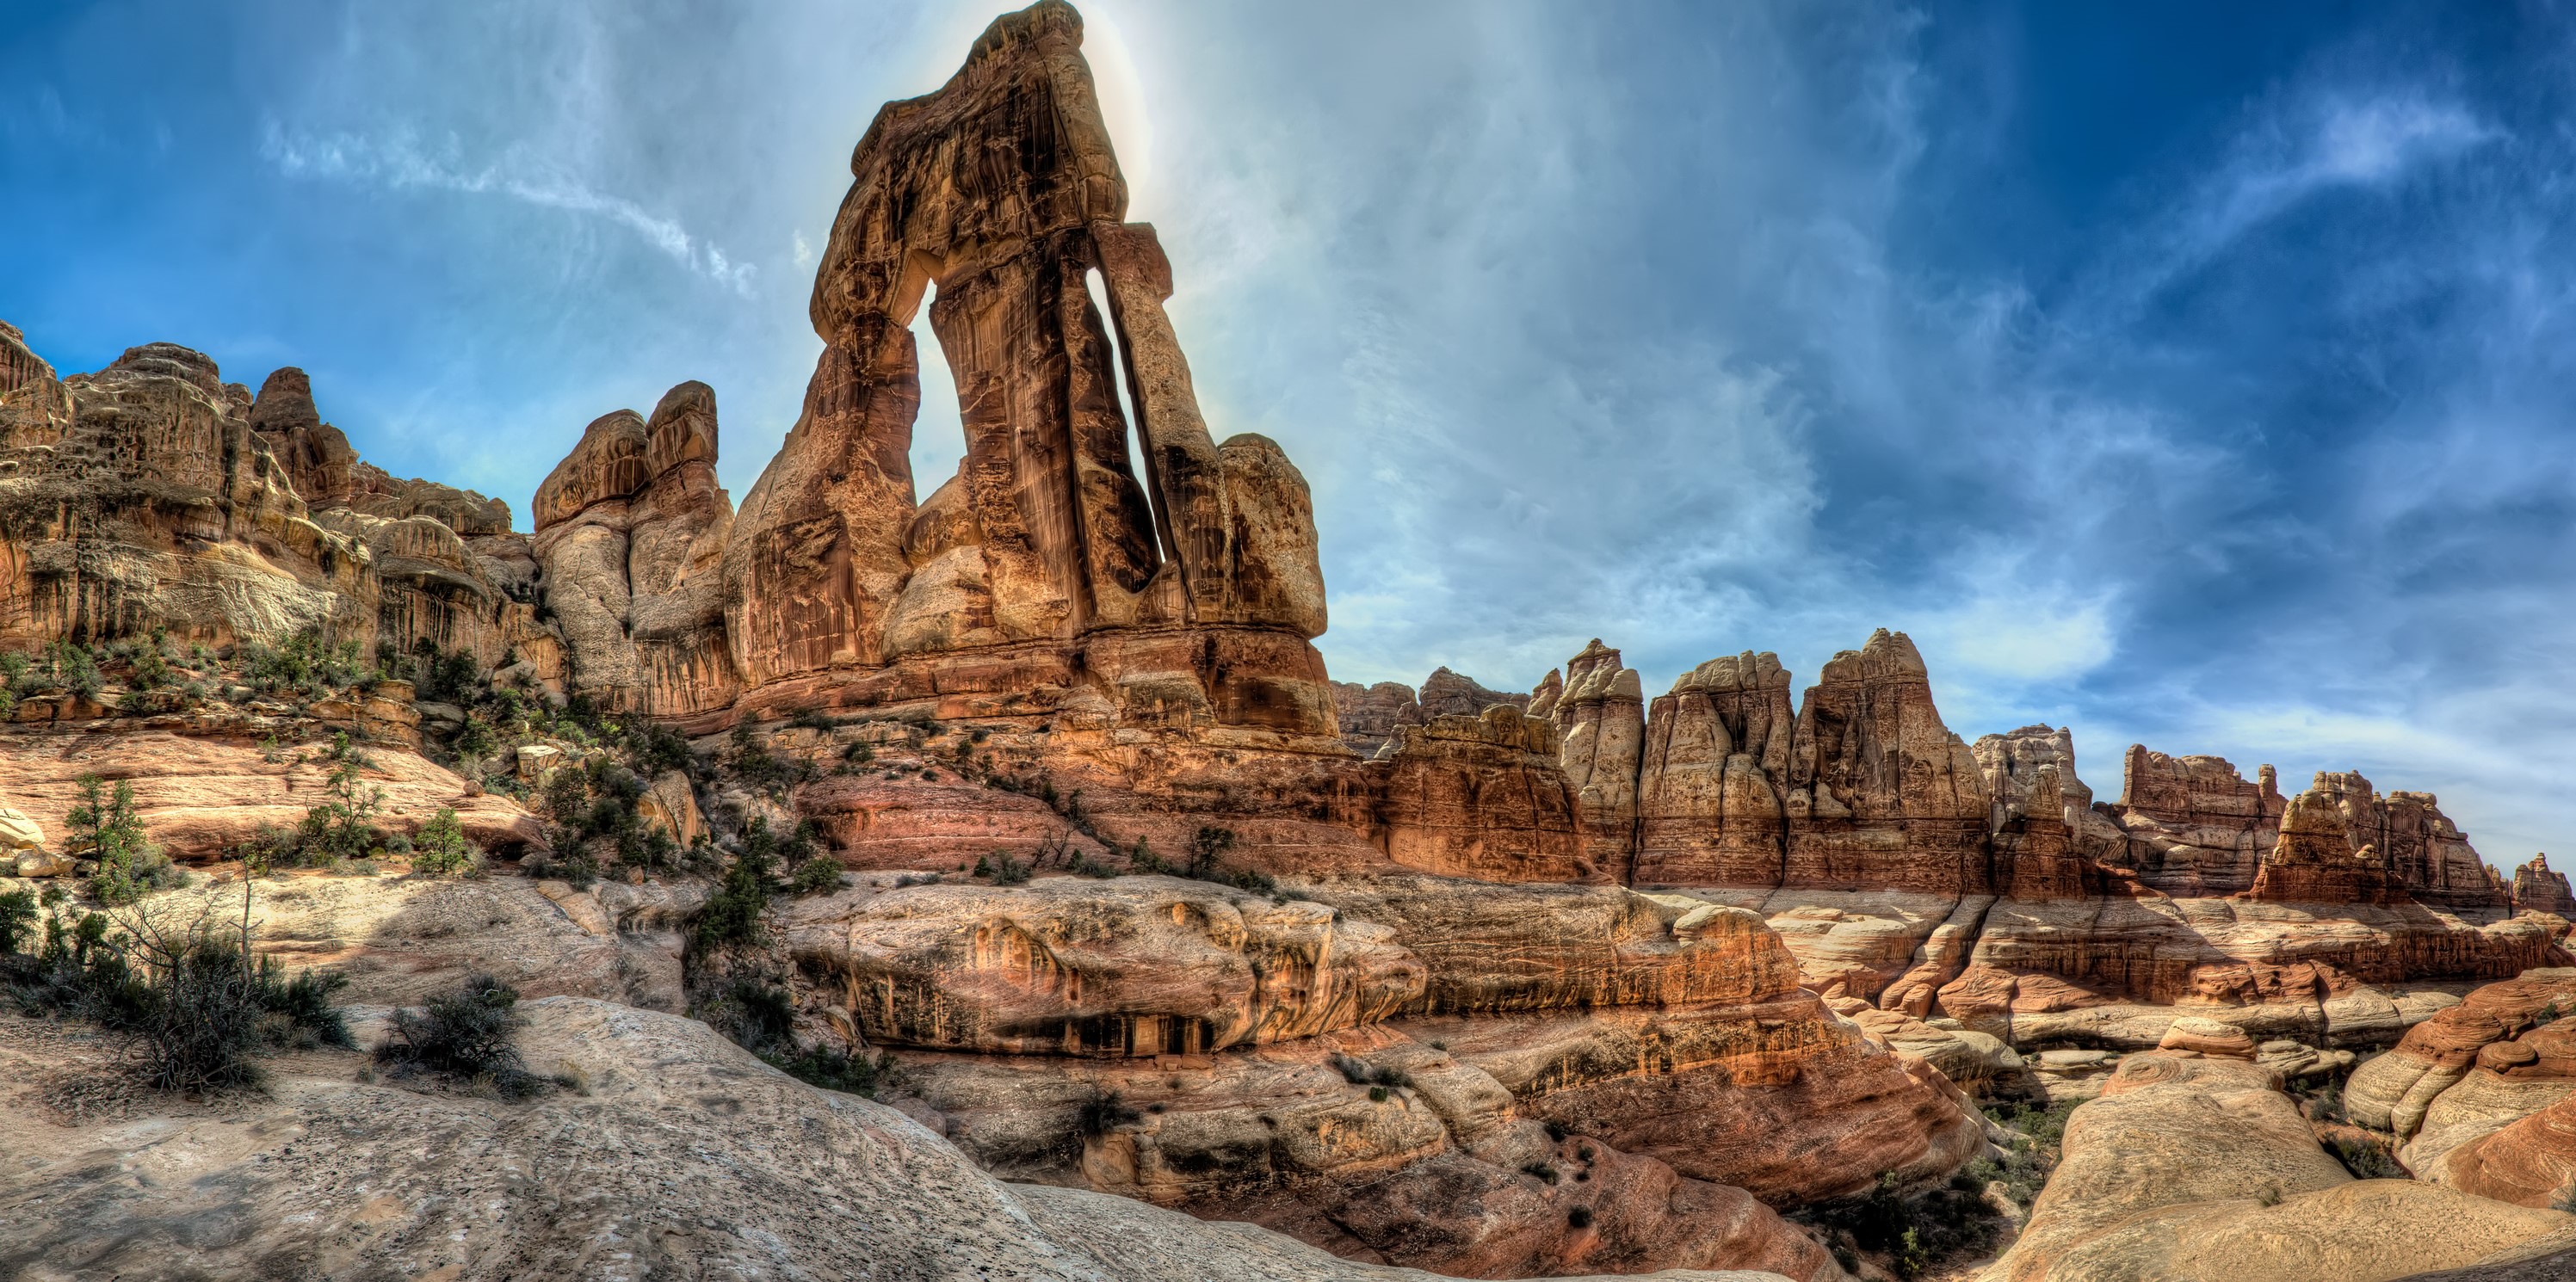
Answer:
(2201, 1168)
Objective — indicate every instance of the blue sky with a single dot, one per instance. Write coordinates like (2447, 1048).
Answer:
(2196, 375)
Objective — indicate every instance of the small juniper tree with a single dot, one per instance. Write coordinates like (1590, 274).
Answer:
(105, 828)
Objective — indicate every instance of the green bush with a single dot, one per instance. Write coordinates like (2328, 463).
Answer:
(468, 1034)
(105, 829)
(818, 875)
(342, 829)
(17, 918)
(440, 849)
(191, 1003)
(733, 912)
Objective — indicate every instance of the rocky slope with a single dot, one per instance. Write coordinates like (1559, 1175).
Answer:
(677, 1154)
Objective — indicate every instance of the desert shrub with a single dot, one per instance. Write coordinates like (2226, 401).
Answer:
(1542, 1172)
(1008, 871)
(304, 663)
(147, 669)
(732, 915)
(2565, 1198)
(755, 765)
(2367, 1159)
(760, 1017)
(1353, 1069)
(440, 849)
(74, 667)
(452, 677)
(1377, 1095)
(1579, 1217)
(104, 828)
(1913, 1233)
(467, 1034)
(835, 1070)
(811, 719)
(595, 815)
(191, 1002)
(818, 875)
(17, 918)
(342, 829)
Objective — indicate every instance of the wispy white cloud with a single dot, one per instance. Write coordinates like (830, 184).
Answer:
(2335, 139)
(399, 160)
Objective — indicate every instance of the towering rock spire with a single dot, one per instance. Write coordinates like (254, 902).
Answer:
(995, 198)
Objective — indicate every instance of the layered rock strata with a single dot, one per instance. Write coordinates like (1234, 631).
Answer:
(152, 495)
(1361, 1064)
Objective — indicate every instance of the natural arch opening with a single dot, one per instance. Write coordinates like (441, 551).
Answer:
(1139, 466)
(939, 429)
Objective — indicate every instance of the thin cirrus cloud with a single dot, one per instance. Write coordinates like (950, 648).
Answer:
(399, 160)
(2188, 376)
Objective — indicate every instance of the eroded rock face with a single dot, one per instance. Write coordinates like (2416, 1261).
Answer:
(1131, 966)
(2194, 826)
(1716, 770)
(631, 532)
(1434, 1175)
(1601, 723)
(1369, 716)
(1881, 794)
(153, 495)
(1482, 796)
(2398, 1091)
(2538, 888)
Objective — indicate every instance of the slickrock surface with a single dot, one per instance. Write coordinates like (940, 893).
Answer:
(403, 939)
(2200, 1168)
(678, 1155)
(2395, 1092)
(2528, 1162)
(201, 795)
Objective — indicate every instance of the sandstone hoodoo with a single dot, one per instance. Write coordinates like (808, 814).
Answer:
(1021, 799)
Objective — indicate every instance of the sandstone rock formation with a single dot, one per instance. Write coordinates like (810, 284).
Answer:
(1449, 694)
(1711, 806)
(1601, 722)
(2201, 1168)
(1669, 1033)
(2395, 1092)
(2538, 888)
(1133, 966)
(1186, 599)
(631, 530)
(152, 495)
(1369, 716)
(1482, 796)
